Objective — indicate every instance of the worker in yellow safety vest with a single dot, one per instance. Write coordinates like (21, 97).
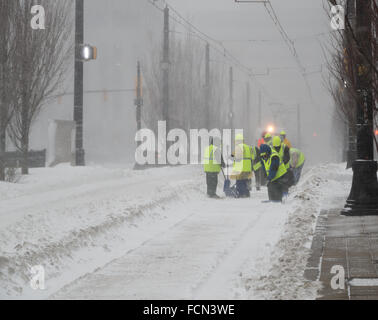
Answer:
(276, 172)
(268, 139)
(284, 139)
(297, 161)
(242, 167)
(257, 166)
(283, 150)
(213, 163)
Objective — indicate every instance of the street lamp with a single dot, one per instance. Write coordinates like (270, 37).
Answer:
(363, 197)
(88, 53)
(83, 53)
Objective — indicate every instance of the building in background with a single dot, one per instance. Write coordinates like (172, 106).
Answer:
(123, 31)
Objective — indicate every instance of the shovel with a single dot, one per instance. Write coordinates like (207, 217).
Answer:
(227, 189)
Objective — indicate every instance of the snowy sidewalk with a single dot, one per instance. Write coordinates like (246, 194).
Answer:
(349, 242)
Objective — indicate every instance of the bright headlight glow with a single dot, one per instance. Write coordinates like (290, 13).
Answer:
(270, 129)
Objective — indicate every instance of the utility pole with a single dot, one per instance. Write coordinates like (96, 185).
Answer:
(248, 111)
(165, 67)
(299, 130)
(207, 87)
(231, 114)
(139, 100)
(363, 199)
(259, 112)
(78, 83)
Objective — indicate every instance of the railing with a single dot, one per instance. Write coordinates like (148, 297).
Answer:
(36, 159)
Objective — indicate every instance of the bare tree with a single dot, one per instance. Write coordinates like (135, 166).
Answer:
(41, 61)
(7, 91)
(187, 83)
(345, 52)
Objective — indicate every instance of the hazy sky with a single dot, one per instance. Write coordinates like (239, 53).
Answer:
(124, 30)
(307, 24)
(230, 22)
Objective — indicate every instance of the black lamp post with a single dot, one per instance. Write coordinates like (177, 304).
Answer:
(78, 83)
(363, 198)
(83, 53)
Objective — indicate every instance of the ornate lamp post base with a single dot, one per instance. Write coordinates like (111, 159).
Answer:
(363, 198)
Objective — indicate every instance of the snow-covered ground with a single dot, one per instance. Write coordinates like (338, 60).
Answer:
(119, 234)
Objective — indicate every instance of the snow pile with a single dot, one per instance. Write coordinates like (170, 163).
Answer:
(323, 187)
(64, 220)
(61, 176)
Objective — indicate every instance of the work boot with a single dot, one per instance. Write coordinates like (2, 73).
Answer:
(246, 195)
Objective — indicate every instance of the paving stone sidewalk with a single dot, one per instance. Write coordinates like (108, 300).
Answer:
(350, 242)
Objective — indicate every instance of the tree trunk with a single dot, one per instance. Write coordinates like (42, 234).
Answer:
(25, 125)
(25, 137)
(25, 155)
(2, 153)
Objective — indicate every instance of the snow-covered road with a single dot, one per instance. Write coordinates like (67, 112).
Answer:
(120, 234)
(199, 257)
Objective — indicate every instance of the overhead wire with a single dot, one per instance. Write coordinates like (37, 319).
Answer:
(216, 45)
(290, 43)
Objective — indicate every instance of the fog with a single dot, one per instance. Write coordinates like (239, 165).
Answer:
(126, 31)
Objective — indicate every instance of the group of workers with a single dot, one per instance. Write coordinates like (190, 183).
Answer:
(274, 163)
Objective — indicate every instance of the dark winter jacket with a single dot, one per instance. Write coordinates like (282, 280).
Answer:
(275, 162)
(274, 168)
